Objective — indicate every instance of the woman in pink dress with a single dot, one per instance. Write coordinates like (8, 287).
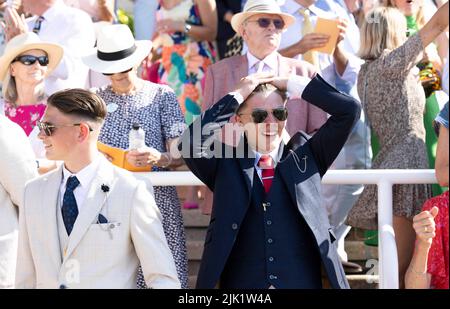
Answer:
(23, 68)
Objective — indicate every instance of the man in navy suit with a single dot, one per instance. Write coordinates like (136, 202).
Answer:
(267, 228)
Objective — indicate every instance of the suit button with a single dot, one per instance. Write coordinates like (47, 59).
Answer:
(62, 286)
(270, 240)
(269, 222)
(271, 259)
(234, 226)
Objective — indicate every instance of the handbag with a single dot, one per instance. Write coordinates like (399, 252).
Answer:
(234, 46)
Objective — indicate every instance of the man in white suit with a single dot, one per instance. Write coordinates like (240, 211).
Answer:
(88, 224)
(17, 166)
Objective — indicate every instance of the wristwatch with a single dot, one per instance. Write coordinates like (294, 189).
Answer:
(187, 28)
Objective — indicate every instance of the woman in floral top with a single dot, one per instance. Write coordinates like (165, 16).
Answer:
(429, 267)
(185, 30)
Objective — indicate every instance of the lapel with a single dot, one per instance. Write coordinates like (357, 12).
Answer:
(247, 164)
(48, 213)
(240, 69)
(92, 206)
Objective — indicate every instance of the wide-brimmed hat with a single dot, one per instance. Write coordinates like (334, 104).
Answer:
(253, 7)
(116, 50)
(27, 41)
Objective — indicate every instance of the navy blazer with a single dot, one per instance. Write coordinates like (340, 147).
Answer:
(303, 163)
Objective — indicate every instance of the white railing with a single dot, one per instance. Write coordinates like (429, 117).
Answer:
(384, 179)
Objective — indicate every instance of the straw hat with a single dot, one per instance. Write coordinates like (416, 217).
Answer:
(117, 50)
(253, 7)
(27, 41)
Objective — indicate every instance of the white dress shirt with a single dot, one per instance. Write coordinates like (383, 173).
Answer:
(85, 177)
(74, 31)
(326, 62)
(268, 64)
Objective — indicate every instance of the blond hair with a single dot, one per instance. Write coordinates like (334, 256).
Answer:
(383, 28)
(9, 89)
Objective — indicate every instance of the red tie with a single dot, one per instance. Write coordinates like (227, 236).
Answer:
(266, 164)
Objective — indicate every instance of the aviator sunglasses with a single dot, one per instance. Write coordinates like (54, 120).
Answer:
(30, 60)
(259, 115)
(265, 22)
(49, 128)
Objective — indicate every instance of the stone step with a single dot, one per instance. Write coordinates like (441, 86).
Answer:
(358, 251)
(355, 282)
(194, 218)
(195, 250)
(195, 233)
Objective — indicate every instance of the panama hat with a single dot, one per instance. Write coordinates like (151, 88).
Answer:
(253, 7)
(27, 41)
(116, 50)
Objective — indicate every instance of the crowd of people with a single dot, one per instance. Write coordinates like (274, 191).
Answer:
(250, 97)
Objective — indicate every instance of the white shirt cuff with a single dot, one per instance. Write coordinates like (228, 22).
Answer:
(296, 84)
(238, 97)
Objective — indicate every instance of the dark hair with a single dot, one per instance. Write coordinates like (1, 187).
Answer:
(264, 88)
(79, 102)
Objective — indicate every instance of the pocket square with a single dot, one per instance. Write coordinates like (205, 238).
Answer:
(102, 219)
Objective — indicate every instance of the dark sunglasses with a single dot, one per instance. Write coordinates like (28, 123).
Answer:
(49, 128)
(110, 74)
(259, 115)
(265, 22)
(30, 60)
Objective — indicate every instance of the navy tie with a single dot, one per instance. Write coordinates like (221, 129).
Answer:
(69, 207)
(37, 24)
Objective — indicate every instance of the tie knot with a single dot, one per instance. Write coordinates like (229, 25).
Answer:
(304, 12)
(72, 183)
(265, 162)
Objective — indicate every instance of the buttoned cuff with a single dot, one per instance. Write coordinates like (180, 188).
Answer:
(296, 84)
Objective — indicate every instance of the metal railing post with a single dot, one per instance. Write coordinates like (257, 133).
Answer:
(387, 249)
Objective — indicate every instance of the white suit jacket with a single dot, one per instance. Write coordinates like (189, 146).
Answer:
(95, 257)
(17, 166)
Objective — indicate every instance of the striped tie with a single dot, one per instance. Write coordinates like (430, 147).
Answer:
(37, 24)
(266, 165)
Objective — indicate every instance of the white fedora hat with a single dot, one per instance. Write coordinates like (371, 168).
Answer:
(28, 41)
(253, 7)
(117, 50)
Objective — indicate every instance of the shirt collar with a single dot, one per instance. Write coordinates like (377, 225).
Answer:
(273, 154)
(84, 176)
(271, 60)
(293, 7)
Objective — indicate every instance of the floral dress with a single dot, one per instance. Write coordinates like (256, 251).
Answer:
(25, 115)
(184, 62)
(157, 111)
(394, 101)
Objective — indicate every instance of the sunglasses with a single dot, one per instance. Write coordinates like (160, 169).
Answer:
(265, 22)
(49, 128)
(30, 60)
(259, 115)
(110, 74)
